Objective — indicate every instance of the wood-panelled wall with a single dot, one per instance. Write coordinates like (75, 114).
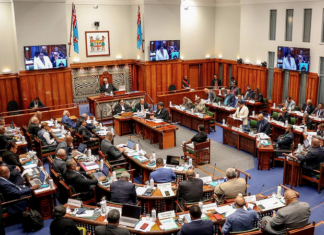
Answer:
(277, 88)
(294, 86)
(312, 87)
(9, 91)
(52, 87)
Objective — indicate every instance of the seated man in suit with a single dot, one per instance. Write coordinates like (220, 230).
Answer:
(79, 180)
(15, 176)
(263, 126)
(66, 120)
(90, 126)
(161, 113)
(107, 87)
(187, 103)
(241, 219)
(320, 131)
(239, 98)
(112, 152)
(308, 107)
(284, 116)
(248, 93)
(186, 83)
(186, 194)
(142, 106)
(61, 225)
(44, 135)
(229, 99)
(59, 163)
(112, 227)
(197, 225)
(289, 103)
(3, 139)
(216, 82)
(122, 191)
(294, 215)
(122, 107)
(257, 96)
(38, 115)
(312, 160)
(11, 191)
(231, 188)
(242, 112)
(319, 111)
(33, 128)
(211, 96)
(67, 145)
(235, 89)
(85, 133)
(231, 82)
(200, 137)
(10, 156)
(161, 174)
(36, 103)
(307, 122)
(285, 140)
(200, 106)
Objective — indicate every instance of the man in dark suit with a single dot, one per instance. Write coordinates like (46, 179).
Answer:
(3, 139)
(79, 181)
(59, 163)
(33, 128)
(294, 215)
(307, 121)
(122, 107)
(66, 120)
(15, 176)
(107, 87)
(197, 225)
(112, 152)
(248, 93)
(235, 89)
(142, 105)
(284, 116)
(312, 160)
(319, 111)
(229, 99)
(10, 156)
(67, 145)
(161, 113)
(38, 114)
(263, 126)
(211, 96)
(10, 191)
(186, 83)
(122, 191)
(185, 193)
(257, 96)
(36, 103)
(89, 126)
(61, 225)
(285, 140)
(239, 98)
(200, 137)
(161, 174)
(308, 107)
(85, 133)
(2, 226)
(112, 227)
(216, 82)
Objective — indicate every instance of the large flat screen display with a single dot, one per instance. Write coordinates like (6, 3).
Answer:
(293, 58)
(45, 57)
(164, 50)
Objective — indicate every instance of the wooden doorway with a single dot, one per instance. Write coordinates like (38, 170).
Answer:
(194, 75)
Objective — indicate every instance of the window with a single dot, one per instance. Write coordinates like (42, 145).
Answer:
(289, 24)
(307, 25)
(321, 81)
(273, 24)
(322, 40)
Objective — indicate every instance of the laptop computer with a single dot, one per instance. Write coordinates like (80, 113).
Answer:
(39, 181)
(131, 214)
(130, 146)
(81, 149)
(172, 161)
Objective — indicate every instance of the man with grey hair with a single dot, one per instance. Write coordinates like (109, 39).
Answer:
(112, 152)
(123, 191)
(38, 115)
(161, 113)
(187, 103)
(107, 87)
(231, 188)
(33, 128)
(112, 227)
(211, 96)
(59, 163)
(142, 105)
(90, 126)
(66, 120)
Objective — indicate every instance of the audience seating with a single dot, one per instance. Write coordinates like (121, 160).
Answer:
(280, 151)
(200, 154)
(44, 151)
(213, 121)
(319, 177)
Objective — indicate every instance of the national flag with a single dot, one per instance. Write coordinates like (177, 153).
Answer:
(75, 30)
(139, 29)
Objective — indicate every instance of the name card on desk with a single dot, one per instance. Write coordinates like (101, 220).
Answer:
(73, 202)
(166, 215)
(209, 207)
(250, 199)
(164, 186)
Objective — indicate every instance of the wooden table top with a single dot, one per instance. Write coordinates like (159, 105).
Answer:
(73, 118)
(205, 117)
(222, 108)
(152, 125)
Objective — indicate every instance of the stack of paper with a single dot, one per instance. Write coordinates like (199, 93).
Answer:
(168, 224)
(144, 221)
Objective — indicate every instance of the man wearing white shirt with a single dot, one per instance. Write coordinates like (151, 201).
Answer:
(289, 103)
(242, 112)
(107, 87)
(42, 62)
(289, 63)
(162, 54)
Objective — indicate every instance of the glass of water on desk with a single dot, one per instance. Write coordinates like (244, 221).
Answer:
(148, 216)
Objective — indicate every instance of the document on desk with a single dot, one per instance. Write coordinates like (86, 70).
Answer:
(224, 209)
(86, 213)
(157, 120)
(168, 224)
(29, 166)
(140, 190)
(144, 221)
(263, 136)
(42, 189)
(270, 204)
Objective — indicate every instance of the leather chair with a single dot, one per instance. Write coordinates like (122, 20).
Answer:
(199, 154)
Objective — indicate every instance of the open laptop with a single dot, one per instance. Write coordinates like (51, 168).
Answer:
(130, 146)
(81, 149)
(172, 161)
(39, 181)
(131, 214)
(105, 172)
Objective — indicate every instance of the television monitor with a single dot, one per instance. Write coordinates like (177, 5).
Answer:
(164, 50)
(45, 57)
(293, 58)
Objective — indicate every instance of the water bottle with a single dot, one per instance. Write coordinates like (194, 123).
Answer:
(153, 215)
(114, 176)
(219, 104)
(153, 156)
(89, 153)
(286, 123)
(279, 191)
(51, 184)
(94, 119)
(100, 125)
(152, 183)
(62, 128)
(103, 205)
(111, 93)
(253, 113)
(137, 147)
(299, 148)
(12, 125)
(88, 118)
(190, 162)
(201, 205)
(170, 104)
(223, 121)
(274, 105)
(69, 133)
(197, 175)
(101, 164)
(112, 131)
(269, 117)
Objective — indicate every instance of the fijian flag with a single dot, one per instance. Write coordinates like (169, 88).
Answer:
(139, 29)
(75, 30)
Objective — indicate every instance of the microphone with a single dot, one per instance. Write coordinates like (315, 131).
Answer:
(220, 200)
(260, 189)
(214, 173)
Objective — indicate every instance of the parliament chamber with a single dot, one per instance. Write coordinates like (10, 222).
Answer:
(210, 121)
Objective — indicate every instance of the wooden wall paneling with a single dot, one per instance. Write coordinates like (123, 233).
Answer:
(32, 89)
(62, 98)
(15, 90)
(277, 86)
(176, 75)
(140, 77)
(40, 88)
(55, 88)
(234, 71)
(169, 76)
(159, 78)
(312, 87)
(3, 96)
(294, 86)
(68, 87)
(24, 87)
(194, 75)
(216, 66)
(153, 81)
(148, 81)
(225, 74)
(164, 78)
(48, 90)
(134, 79)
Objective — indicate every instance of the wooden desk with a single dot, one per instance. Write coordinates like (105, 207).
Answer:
(264, 154)
(102, 106)
(234, 122)
(221, 111)
(253, 106)
(165, 136)
(73, 118)
(190, 120)
(123, 125)
(291, 172)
